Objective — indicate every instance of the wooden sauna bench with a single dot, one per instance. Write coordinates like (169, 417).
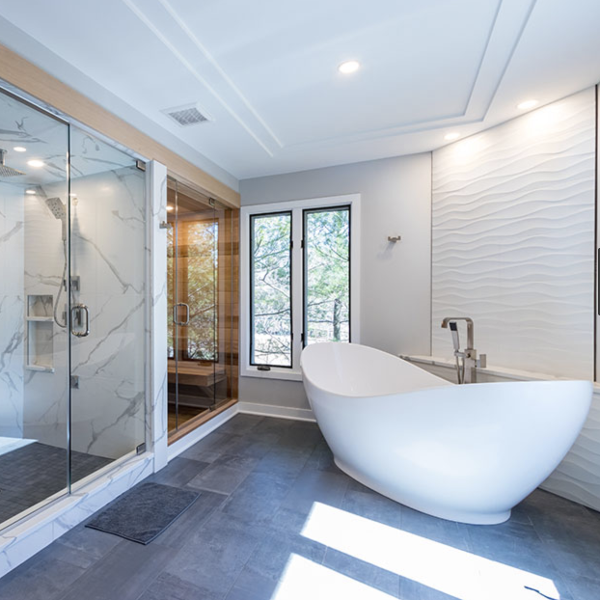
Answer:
(191, 373)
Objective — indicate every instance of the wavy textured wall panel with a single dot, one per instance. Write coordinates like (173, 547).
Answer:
(513, 239)
(578, 476)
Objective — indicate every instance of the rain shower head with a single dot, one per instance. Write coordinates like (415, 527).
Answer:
(59, 210)
(7, 171)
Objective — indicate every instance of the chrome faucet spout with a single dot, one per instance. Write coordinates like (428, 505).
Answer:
(466, 360)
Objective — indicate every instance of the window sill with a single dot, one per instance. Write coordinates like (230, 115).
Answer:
(274, 373)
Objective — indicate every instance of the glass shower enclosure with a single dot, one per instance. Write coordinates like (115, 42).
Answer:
(72, 306)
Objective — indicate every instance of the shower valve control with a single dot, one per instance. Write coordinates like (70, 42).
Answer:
(75, 284)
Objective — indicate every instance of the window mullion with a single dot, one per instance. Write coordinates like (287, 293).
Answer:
(297, 291)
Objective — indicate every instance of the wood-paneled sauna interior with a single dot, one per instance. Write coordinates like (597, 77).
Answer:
(202, 269)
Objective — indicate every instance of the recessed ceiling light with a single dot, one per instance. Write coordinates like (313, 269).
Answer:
(452, 136)
(30, 192)
(35, 163)
(350, 66)
(527, 104)
(19, 149)
(169, 207)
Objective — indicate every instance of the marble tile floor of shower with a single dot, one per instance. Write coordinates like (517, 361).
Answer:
(277, 520)
(37, 471)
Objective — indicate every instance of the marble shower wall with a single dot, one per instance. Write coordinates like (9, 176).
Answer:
(513, 239)
(45, 393)
(108, 256)
(11, 310)
(156, 252)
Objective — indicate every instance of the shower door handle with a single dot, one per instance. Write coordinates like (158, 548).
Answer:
(76, 311)
(187, 313)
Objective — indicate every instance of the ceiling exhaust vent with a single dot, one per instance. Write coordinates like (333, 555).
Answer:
(187, 115)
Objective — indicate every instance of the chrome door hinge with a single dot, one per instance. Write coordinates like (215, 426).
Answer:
(74, 382)
(140, 164)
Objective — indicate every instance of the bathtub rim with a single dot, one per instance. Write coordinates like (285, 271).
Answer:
(443, 382)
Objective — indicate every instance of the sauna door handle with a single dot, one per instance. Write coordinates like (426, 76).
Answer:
(187, 313)
(77, 310)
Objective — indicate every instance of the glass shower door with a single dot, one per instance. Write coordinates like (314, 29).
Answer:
(107, 268)
(34, 340)
(72, 306)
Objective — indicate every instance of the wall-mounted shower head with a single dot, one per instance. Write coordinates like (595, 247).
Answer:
(59, 210)
(7, 171)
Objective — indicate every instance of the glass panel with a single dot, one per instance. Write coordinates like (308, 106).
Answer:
(226, 288)
(271, 305)
(34, 363)
(327, 275)
(108, 274)
(198, 245)
(192, 298)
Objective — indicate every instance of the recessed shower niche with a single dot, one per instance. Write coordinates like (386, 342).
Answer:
(72, 306)
(40, 332)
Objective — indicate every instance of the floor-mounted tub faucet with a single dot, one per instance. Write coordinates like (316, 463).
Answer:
(466, 360)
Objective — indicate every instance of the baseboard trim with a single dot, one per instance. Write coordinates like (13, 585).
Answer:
(281, 412)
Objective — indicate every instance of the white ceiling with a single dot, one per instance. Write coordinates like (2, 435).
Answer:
(266, 71)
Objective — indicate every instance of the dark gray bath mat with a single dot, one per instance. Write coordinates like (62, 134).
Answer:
(145, 512)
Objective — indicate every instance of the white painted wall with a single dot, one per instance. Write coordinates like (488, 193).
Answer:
(395, 286)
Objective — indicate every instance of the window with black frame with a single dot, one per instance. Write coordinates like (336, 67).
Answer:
(326, 306)
(271, 291)
(298, 258)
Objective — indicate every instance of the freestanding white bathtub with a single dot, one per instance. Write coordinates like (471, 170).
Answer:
(466, 453)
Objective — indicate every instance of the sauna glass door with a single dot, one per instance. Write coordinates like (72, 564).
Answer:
(193, 355)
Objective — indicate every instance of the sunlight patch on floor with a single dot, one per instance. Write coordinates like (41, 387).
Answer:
(304, 579)
(455, 572)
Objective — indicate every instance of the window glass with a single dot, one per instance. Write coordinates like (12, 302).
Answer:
(327, 275)
(270, 298)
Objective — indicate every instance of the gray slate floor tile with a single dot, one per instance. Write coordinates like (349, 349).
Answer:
(225, 474)
(236, 544)
(179, 472)
(125, 573)
(364, 572)
(169, 587)
(43, 577)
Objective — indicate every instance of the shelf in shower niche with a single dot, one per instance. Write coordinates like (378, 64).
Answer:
(39, 368)
(39, 306)
(40, 342)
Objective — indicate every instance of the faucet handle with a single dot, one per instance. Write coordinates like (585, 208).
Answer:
(482, 361)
